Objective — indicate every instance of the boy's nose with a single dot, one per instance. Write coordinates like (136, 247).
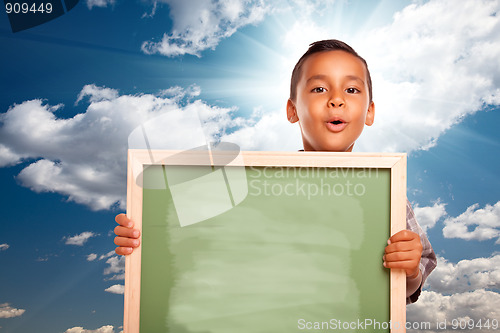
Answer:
(336, 104)
(336, 101)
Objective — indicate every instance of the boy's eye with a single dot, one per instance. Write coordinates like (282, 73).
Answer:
(318, 90)
(352, 90)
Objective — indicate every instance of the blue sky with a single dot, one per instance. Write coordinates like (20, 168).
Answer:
(75, 87)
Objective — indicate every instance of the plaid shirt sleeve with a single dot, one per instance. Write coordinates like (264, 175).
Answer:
(428, 260)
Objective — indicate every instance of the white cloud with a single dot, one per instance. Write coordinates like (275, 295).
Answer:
(269, 131)
(153, 11)
(8, 157)
(96, 94)
(116, 266)
(4, 247)
(298, 37)
(6, 311)
(99, 3)
(117, 277)
(308, 7)
(80, 239)
(467, 291)
(116, 289)
(199, 25)
(466, 275)
(433, 307)
(428, 216)
(107, 255)
(475, 223)
(432, 66)
(84, 157)
(103, 329)
(178, 93)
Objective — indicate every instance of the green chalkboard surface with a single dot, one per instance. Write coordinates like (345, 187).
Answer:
(298, 249)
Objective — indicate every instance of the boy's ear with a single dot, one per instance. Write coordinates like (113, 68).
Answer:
(370, 115)
(291, 112)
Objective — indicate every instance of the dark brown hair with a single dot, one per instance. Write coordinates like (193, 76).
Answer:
(322, 46)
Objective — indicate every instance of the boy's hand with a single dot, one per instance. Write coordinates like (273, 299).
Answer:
(404, 251)
(127, 238)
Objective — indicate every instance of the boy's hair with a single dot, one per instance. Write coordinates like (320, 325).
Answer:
(322, 46)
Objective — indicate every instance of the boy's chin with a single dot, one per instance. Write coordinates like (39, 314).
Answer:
(331, 148)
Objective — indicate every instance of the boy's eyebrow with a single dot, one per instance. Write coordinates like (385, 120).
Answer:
(325, 77)
(316, 77)
(355, 78)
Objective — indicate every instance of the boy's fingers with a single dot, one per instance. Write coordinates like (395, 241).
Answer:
(404, 246)
(403, 235)
(123, 220)
(406, 265)
(401, 256)
(123, 251)
(127, 242)
(126, 236)
(127, 232)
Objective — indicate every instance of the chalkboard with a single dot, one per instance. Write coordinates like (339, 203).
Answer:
(264, 242)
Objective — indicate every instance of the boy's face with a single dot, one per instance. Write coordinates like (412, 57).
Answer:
(332, 103)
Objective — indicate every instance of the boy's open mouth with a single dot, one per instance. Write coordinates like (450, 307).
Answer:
(336, 125)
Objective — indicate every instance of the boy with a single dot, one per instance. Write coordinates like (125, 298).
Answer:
(331, 99)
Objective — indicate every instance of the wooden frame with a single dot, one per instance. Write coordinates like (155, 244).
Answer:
(137, 159)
